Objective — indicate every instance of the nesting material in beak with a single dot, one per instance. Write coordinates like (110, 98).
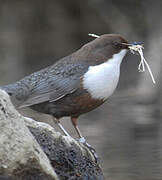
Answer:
(93, 35)
(137, 47)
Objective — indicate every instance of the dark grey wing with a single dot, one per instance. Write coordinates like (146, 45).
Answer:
(56, 83)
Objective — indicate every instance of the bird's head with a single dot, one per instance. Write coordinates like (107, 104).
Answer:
(104, 47)
(109, 44)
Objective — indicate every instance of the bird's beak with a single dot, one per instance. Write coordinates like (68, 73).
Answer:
(133, 45)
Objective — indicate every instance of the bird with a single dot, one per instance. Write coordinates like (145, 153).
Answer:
(75, 84)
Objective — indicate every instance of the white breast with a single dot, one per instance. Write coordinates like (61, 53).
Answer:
(101, 80)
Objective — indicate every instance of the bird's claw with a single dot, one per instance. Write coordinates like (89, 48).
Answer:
(82, 140)
(93, 151)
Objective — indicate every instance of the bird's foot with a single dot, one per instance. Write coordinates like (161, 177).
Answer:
(93, 151)
(83, 141)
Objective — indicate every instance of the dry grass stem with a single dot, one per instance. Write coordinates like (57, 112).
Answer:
(143, 62)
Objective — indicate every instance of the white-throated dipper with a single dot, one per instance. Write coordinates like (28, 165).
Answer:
(76, 84)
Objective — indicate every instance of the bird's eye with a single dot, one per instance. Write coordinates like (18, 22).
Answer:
(117, 45)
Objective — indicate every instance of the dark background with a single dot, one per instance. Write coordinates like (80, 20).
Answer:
(127, 130)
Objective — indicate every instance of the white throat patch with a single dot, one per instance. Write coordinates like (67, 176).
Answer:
(101, 80)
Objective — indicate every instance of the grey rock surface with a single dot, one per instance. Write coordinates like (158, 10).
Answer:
(31, 150)
(20, 154)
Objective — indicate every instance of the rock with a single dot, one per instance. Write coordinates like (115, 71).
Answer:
(31, 150)
(69, 158)
(20, 155)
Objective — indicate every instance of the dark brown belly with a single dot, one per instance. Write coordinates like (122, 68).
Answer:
(73, 105)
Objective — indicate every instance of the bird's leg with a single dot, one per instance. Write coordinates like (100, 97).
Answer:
(75, 124)
(82, 139)
(57, 121)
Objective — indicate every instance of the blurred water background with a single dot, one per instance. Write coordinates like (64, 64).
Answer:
(127, 130)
